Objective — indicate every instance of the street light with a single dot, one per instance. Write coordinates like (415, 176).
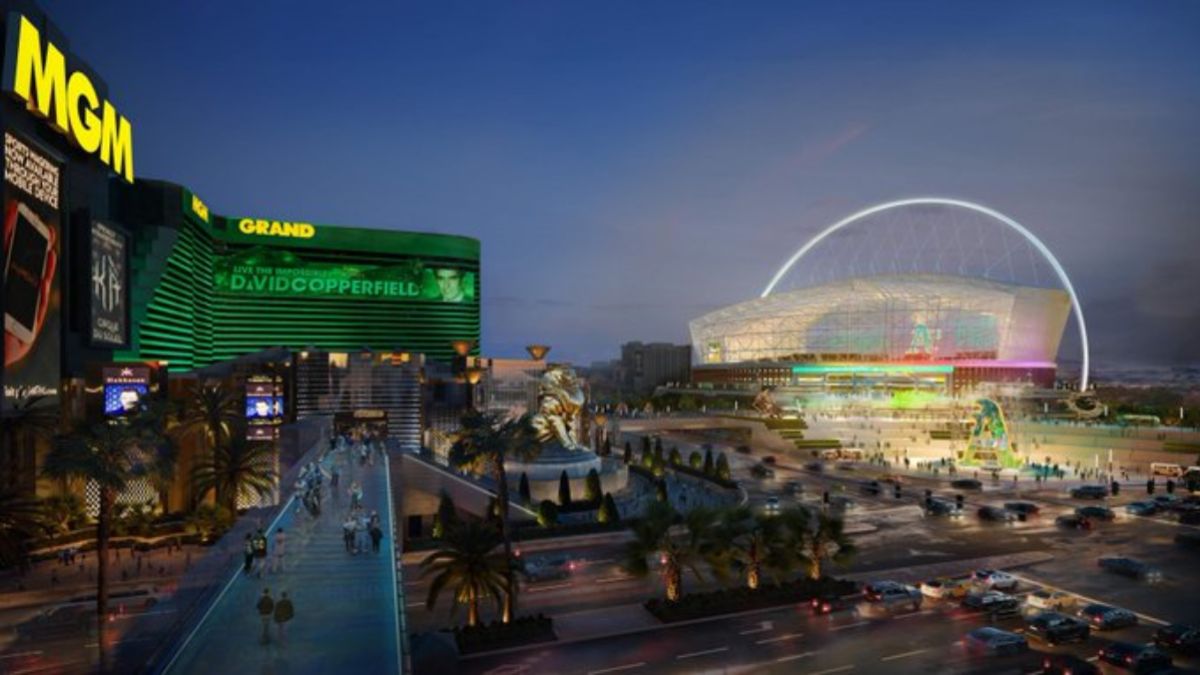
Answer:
(537, 352)
(462, 347)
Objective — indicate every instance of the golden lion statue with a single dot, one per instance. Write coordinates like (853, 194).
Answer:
(560, 401)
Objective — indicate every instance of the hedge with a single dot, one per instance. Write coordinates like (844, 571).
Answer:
(697, 473)
(522, 630)
(741, 599)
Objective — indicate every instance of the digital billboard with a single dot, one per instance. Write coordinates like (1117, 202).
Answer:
(265, 406)
(110, 292)
(125, 387)
(32, 297)
(271, 272)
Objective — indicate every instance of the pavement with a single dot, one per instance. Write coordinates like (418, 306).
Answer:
(345, 604)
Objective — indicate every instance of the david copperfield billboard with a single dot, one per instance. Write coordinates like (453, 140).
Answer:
(32, 298)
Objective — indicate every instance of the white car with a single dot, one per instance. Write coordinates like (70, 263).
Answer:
(995, 579)
(1049, 601)
(772, 505)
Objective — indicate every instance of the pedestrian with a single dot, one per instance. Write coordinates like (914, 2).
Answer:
(260, 552)
(333, 479)
(348, 533)
(277, 560)
(283, 614)
(266, 609)
(376, 537)
(248, 554)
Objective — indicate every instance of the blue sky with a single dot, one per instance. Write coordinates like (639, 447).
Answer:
(630, 165)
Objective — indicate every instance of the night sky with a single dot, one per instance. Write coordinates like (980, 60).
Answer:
(631, 165)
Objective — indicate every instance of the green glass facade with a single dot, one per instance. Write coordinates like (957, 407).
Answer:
(338, 289)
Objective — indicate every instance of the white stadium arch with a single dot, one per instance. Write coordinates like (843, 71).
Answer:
(971, 206)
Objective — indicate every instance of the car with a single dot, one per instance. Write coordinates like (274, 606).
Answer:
(1128, 567)
(793, 487)
(995, 580)
(65, 621)
(827, 603)
(1054, 628)
(1043, 600)
(1147, 508)
(891, 599)
(993, 641)
(944, 587)
(875, 589)
(966, 484)
(762, 472)
(817, 467)
(994, 603)
(547, 567)
(1165, 501)
(1073, 522)
(996, 514)
(871, 488)
(1024, 509)
(1095, 513)
(1136, 658)
(1089, 492)
(1107, 617)
(1178, 637)
(942, 507)
(1067, 664)
(771, 505)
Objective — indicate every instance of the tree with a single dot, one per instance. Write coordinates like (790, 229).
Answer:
(159, 428)
(608, 510)
(813, 543)
(211, 411)
(234, 468)
(564, 489)
(482, 444)
(694, 460)
(675, 458)
(591, 487)
(628, 452)
(63, 513)
(207, 520)
(523, 488)
(21, 519)
(708, 462)
(105, 455)
(647, 452)
(446, 516)
(723, 467)
(652, 539)
(468, 564)
(21, 423)
(756, 543)
(547, 514)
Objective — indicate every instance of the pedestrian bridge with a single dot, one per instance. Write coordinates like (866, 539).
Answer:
(347, 616)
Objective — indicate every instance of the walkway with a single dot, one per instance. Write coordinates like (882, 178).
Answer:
(346, 620)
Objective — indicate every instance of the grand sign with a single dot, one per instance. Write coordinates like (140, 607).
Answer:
(275, 228)
(36, 73)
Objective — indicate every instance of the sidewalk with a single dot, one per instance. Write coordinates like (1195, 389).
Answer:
(345, 604)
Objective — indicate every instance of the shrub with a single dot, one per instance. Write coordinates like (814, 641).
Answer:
(741, 598)
(694, 460)
(608, 510)
(547, 513)
(723, 467)
(497, 635)
(564, 488)
(591, 486)
(675, 458)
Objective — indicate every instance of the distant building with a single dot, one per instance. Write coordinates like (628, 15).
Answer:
(647, 365)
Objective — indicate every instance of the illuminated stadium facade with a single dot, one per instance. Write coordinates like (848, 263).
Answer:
(894, 329)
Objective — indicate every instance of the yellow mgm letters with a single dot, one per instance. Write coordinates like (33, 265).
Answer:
(68, 102)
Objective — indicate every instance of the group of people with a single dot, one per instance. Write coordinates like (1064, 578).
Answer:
(259, 556)
(358, 527)
(308, 486)
(280, 611)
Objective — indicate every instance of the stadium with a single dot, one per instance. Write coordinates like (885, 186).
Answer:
(937, 299)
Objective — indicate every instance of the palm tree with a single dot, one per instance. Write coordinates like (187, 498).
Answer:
(483, 443)
(159, 426)
(104, 454)
(234, 468)
(211, 411)
(814, 542)
(754, 543)
(21, 519)
(21, 422)
(653, 539)
(469, 565)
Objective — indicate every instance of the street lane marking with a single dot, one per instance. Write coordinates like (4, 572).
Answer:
(414, 604)
(706, 652)
(613, 580)
(20, 654)
(911, 614)
(850, 625)
(793, 657)
(904, 655)
(839, 669)
(763, 627)
(551, 587)
(780, 638)
(614, 669)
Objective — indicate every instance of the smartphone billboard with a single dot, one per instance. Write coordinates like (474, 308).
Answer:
(32, 297)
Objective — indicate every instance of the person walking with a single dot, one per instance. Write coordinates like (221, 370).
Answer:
(248, 554)
(283, 614)
(348, 533)
(266, 610)
(376, 537)
(277, 559)
(260, 552)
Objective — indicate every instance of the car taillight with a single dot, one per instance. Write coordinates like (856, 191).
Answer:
(826, 607)
(815, 602)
